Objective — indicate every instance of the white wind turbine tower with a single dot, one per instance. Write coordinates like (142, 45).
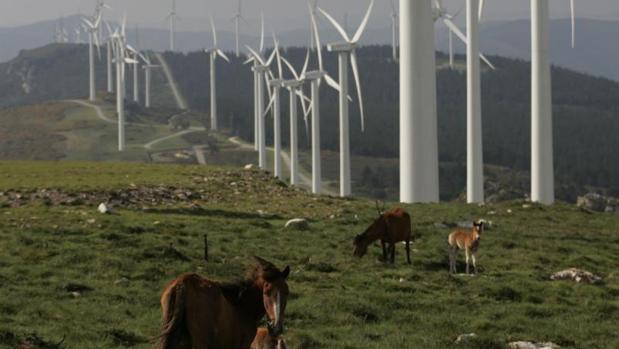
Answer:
(294, 86)
(257, 110)
(394, 30)
(93, 39)
(110, 43)
(261, 68)
(172, 18)
(313, 11)
(148, 67)
(213, 53)
(418, 120)
(121, 59)
(274, 105)
(347, 50)
(136, 67)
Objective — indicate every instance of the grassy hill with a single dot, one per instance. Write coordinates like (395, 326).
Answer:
(89, 280)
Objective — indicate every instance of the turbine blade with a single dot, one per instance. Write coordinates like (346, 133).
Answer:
(481, 9)
(355, 71)
(337, 26)
(261, 32)
(364, 23)
(306, 63)
(271, 57)
(271, 102)
(223, 55)
(291, 68)
(487, 61)
(316, 38)
(573, 14)
(456, 30)
(256, 55)
(214, 33)
(278, 56)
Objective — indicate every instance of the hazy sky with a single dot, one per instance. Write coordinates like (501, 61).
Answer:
(280, 14)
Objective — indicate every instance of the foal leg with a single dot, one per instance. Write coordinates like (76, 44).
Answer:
(408, 251)
(474, 264)
(466, 252)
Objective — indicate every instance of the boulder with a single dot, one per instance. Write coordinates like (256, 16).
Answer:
(578, 275)
(464, 337)
(297, 224)
(531, 345)
(593, 202)
(249, 167)
(104, 209)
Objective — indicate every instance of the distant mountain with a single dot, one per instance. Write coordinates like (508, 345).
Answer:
(595, 53)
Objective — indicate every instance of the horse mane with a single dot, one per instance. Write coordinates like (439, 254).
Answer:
(260, 271)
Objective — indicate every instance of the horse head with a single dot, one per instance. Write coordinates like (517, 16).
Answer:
(274, 293)
(371, 234)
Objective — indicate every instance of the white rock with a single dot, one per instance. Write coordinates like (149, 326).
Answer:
(122, 282)
(578, 275)
(531, 345)
(249, 167)
(298, 224)
(464, 337)
(103, 208)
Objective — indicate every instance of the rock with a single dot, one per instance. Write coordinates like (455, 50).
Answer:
(122, 282)
(609, 209)
(249, 167)
(578, 275)
(103, 209)
(531, 345)
(297, 224)
(464, 337)
(593, 202)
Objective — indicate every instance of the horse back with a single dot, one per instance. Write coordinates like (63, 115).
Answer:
(398, 225)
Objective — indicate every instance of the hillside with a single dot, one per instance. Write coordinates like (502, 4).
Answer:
(585, 123)
(83, 279)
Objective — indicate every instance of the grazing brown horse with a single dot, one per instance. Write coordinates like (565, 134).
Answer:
(264, 340)
(203, 314)
(390, 228)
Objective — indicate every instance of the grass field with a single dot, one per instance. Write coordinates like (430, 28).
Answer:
(94, 280)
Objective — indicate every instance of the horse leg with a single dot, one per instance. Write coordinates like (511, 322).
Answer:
(466, 252)
(384, 245)
(408, 251)
(452, 258)
(392, 247)
(474, 262)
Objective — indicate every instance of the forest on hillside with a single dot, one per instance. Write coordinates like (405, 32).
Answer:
(585, 115)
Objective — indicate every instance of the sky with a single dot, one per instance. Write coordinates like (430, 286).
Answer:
(281, 15)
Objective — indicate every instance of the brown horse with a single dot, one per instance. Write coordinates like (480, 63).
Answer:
(200, 313)
(264, 340)
(390, 228)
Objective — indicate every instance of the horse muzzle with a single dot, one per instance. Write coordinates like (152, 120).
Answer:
(275, 329)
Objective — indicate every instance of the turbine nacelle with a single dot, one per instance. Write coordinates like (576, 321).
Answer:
(342, 46)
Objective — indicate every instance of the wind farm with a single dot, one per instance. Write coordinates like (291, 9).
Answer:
(131, 204)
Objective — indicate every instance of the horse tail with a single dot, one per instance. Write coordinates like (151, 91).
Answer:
(174, 329)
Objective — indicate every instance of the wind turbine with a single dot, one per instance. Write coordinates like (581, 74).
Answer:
(257, 111)
(347, 50)
(213, 53)
(294, 89)
(172, 18)
(136, 67)
(237, 22)
(394, 28)
(313, 11)
(121, 59)
(315, 78)
(110, 43)
(93, 39)
(276, 85)
(148, 67)
(261, 68)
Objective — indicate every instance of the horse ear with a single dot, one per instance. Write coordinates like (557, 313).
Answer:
(286, 272)
(262, 262)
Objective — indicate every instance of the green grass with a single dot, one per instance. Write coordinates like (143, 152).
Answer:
(337, 301)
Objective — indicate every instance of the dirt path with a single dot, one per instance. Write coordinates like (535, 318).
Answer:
(149, 145)
(98, 110)
(180, 100)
